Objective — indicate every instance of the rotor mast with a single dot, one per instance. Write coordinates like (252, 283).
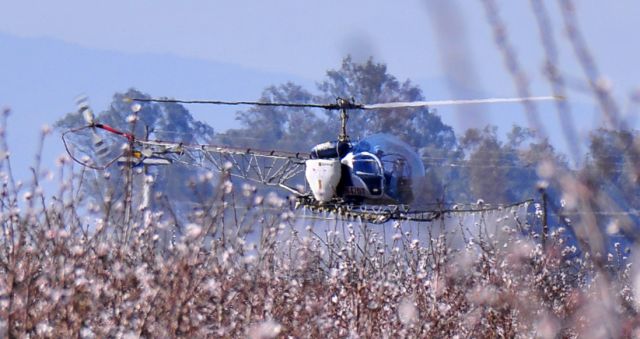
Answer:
(343, 137)
(344, 105)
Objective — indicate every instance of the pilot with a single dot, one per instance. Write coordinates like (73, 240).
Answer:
(396, 178)
(398, 167)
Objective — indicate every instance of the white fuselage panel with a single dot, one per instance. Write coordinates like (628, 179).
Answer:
(323, 176)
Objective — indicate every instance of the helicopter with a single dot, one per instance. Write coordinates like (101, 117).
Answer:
(376, 178)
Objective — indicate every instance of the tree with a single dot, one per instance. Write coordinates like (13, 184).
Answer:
(501, 172)
(611, 173)
(285, 128)
(487, 165)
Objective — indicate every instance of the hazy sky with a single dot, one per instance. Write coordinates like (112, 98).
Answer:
(300, 40)
(305, 37)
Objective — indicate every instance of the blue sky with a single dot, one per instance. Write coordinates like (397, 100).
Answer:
(53, 51)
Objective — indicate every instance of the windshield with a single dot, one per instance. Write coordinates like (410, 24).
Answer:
(366, 164)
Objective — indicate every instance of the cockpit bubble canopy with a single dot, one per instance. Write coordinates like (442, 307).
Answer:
(403, 169)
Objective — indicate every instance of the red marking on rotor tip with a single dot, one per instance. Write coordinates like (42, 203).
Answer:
(115, 131)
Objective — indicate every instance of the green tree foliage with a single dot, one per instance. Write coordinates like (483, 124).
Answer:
(293, 129)
(612, 172)
(488, 163)
(614, 158)
(506, 171)
(369, 83)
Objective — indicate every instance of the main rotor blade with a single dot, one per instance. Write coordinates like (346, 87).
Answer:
(457, 102)
(346, 104)
(219, 102)
(83, 107)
